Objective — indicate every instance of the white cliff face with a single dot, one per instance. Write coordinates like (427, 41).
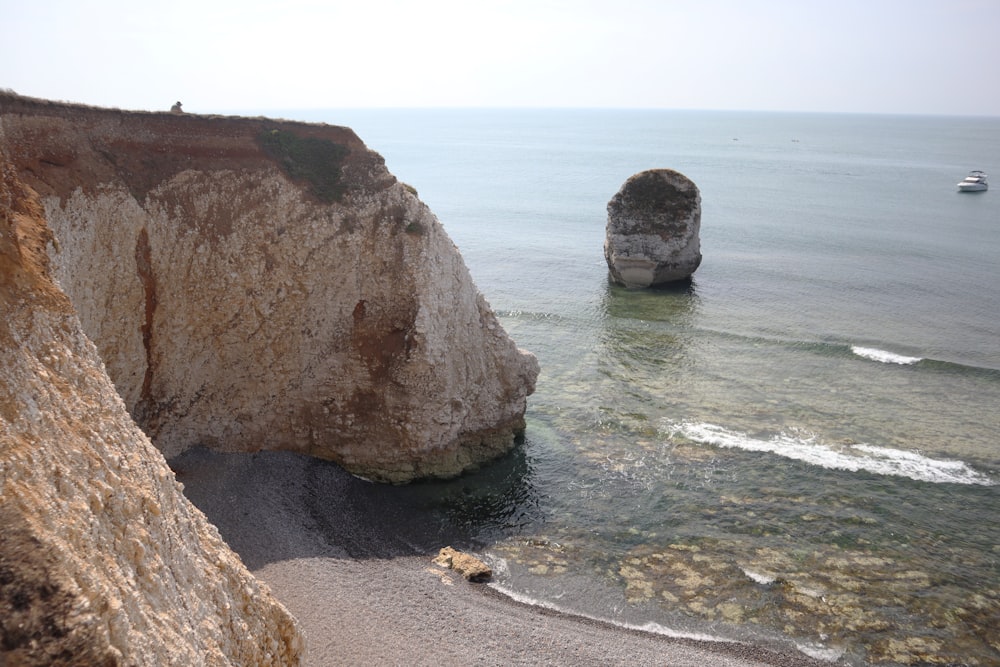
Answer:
(235, 300)
(653, 231)
(102, 559)
(237, 309)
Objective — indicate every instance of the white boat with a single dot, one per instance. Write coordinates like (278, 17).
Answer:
(974, 182)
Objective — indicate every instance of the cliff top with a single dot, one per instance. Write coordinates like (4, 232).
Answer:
(60, 146)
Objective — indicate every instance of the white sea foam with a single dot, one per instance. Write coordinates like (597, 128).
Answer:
(524, 598)
(654, 628)
(812, 650)
(762, 579)
(850, 457)
(883, 356)
(821, 652)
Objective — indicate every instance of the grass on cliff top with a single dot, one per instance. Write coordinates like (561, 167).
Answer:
(315, 161)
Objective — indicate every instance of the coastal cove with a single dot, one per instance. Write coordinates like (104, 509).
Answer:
(798, 448)
(357, 337)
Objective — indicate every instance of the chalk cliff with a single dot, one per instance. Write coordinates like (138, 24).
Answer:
(257, 284)
(102, 559)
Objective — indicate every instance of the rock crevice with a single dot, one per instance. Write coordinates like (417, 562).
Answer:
(144, 268)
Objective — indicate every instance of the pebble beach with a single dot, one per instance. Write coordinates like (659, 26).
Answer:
(365, 590)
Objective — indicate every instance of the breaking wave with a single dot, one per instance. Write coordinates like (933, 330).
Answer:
(883, 356)
(850, 457)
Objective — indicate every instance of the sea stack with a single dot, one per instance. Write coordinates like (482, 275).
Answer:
(653, 229)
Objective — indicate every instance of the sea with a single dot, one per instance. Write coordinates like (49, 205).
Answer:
(800, 447)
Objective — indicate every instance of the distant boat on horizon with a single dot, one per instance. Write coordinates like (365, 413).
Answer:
(974, 182)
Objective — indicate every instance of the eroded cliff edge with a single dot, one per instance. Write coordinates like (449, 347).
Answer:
(103, 561)
(257, 284)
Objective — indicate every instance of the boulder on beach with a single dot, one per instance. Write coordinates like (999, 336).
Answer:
(653, 228)
(465, 564)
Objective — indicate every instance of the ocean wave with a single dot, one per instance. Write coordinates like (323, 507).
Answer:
(850, 457)
(877, 354)
(528, 315)
(883, 356)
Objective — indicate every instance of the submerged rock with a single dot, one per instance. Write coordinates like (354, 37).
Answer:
(652, 235)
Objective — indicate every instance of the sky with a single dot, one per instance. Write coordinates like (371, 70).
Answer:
(249, 56)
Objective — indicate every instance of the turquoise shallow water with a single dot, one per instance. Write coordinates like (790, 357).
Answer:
(801, 446)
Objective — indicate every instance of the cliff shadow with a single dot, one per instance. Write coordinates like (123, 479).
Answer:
(276, 506)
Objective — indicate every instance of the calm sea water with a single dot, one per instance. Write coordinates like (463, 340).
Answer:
(802, 446)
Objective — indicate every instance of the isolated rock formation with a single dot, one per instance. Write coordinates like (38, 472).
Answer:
(652, 236)
(255, 284)
(102, 559)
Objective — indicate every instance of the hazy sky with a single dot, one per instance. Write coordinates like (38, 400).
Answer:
(883, 56)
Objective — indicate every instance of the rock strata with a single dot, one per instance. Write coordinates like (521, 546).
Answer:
(256, 284)
(652, 235)
(102, 559)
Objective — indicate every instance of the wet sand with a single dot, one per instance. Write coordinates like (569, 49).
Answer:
(356, 571)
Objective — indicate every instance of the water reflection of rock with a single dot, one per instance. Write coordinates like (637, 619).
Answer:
(665, 303)
(644, 331)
